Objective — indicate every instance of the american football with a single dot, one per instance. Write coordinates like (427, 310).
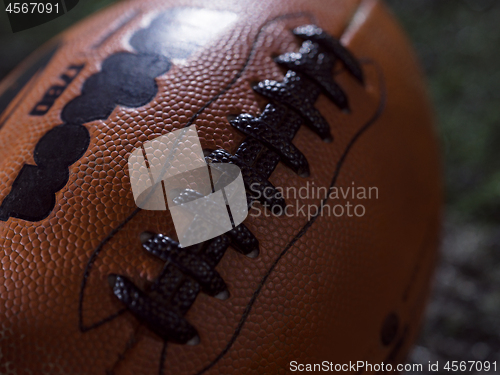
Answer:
(223, 187)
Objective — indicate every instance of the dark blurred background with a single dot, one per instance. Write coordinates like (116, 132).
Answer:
(458, 42)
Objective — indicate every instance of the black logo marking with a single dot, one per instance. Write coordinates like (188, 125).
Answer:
(126, 79)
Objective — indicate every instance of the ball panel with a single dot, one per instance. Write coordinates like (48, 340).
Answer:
(324, 297)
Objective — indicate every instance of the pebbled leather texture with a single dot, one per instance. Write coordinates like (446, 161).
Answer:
(277, 289)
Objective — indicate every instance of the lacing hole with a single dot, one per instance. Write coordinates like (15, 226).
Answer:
(207, 152)
(253, 254)
(389, 330)
(254, 83)
(146, 236)
(223, 295)
(194, 341)
(112, 280)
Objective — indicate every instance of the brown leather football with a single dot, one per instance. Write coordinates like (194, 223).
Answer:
(322, 107)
